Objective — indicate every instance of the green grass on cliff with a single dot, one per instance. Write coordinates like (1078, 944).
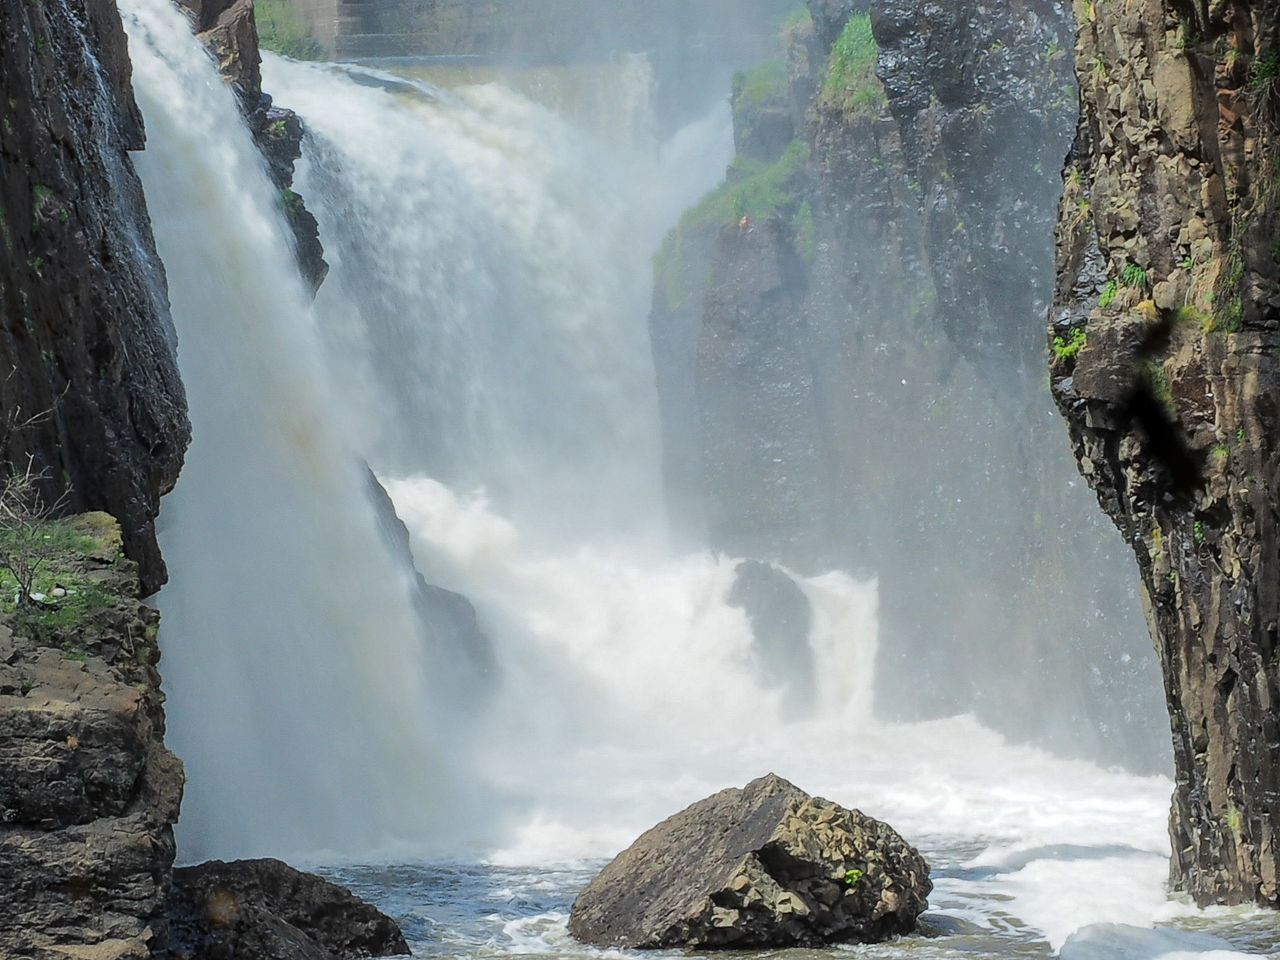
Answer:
(54, 552)
(753, 189)
(851, 83)
(761, 86)
(280, 29)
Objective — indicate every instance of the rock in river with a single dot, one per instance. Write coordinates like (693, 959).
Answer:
(266, 910)
(764, 866)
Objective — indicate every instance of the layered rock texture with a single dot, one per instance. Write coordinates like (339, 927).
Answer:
(89, 385)
(764, 866)
(1164, 364)
(88, 792)
(266, 910)
(853, 377)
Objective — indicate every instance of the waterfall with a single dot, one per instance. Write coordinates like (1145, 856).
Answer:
(291, 656)
(481, 344)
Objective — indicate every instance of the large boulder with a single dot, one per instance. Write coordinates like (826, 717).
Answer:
(764, 866)
(267, 910)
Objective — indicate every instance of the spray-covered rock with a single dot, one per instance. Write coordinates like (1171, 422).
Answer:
(764, 866)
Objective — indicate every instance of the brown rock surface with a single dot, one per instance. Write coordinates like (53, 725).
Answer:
(88, 792)
(764, 866)
(1168, 265)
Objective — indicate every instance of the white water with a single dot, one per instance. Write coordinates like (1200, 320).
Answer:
(481, 340)
(288, 639)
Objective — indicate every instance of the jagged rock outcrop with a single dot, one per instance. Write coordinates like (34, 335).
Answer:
(763, 866)
(227, 28)
(781, 620)
(88, 792)
(854, 380)
(1164, 365)
(86, 343)
(267, 910)
(460, 655)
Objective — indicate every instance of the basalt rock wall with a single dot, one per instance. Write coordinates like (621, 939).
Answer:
(89, 384)
(1169, 304)
(865, 386)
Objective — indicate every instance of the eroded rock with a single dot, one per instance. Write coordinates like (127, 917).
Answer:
(88, 791)
(763, 866)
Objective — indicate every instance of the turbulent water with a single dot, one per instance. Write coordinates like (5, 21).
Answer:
(481, 343)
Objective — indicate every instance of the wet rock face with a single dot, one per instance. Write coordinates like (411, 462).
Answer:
(762, 451)
(1165, 334)
(781, 620)
(85, 334)
(764, 866)
(227, 28)
(985, 101)
(266, 910)
(864, 390)
(88, 792)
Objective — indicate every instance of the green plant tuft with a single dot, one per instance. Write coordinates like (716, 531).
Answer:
(1108, 294)
(755, 190)
(851, 83)
(1133, 276)
(1066, 348)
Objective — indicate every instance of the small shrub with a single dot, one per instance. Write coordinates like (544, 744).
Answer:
(1066, 348)
(1108, 294)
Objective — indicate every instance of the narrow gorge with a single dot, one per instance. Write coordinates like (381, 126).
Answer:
(466, 434)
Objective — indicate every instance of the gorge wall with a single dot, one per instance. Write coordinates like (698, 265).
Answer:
(86, 343)
(853, 376)
(1165, 368)
(93, 405)
(93, 402)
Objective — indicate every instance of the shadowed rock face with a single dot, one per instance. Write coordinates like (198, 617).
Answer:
(764, 866)
(85, 333)
(781, 620)
(1169, 285)
(266, 910)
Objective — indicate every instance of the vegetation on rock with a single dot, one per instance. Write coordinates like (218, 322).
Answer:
(851, 84)
(281, 30)
(755, 190)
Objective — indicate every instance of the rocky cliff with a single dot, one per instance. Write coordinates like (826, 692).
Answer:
(1164, 364)
(86, 344)
(852, 377)
(88, 792)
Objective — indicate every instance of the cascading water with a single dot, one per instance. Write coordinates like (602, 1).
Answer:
(480, 342)
(289, 639)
